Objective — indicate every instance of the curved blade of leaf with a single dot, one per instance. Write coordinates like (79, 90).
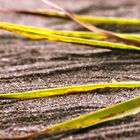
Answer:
(89, 19)
(117, 111)
(81, 34)
(113, 112)
(67, 90)
(109, 34)
(37, 33)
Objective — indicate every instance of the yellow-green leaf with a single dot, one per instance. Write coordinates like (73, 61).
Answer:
(87, 18)
(117, 111)
(39, 33)
(67, 90)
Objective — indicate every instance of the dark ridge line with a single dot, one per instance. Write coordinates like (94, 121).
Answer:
(74, 108)
(69, 69)
(65, 134)
(112, 133)
(128, 127)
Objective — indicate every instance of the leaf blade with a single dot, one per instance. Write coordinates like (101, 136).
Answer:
(89, 19)
(67, 90)
(38, 33)
(113, 112)
(109, 34)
